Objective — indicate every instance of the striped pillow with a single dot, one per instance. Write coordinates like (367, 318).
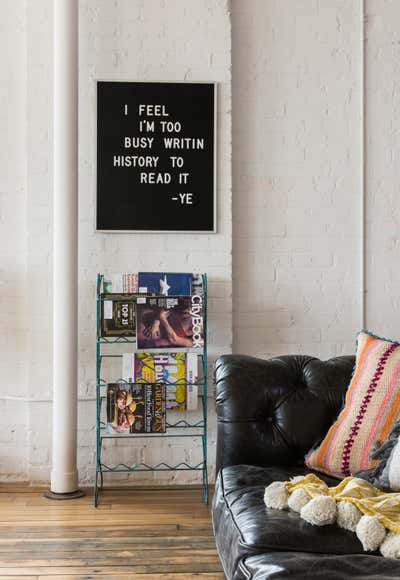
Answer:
(371, 408)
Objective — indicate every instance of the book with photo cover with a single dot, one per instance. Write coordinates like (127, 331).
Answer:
(166, 322)
(118, 315)
(166, 283)
(120, 284)
(136, 408)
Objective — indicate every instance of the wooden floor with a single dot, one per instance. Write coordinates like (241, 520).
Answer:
(143, 535)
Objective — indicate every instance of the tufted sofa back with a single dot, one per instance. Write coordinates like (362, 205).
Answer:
(271, 412)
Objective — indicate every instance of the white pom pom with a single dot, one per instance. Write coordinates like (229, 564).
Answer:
(276, 496)
(390, 547)
(320, 511)
(370, 532)
(296, 478)
(348, 515)
(298, 499)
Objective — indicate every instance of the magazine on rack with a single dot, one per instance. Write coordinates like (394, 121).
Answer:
(120, 283)
(118, 315)
(192, 377)
(178, 370)
(136, 408)
(170, 322)
(166, 283)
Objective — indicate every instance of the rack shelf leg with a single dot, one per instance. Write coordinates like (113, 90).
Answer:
(205, 473)
(205, 483)
(96, 490)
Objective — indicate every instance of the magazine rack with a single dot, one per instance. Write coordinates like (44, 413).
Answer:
(180, 428)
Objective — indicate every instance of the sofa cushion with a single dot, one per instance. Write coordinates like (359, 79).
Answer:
(244, 526)
(261, 406)
(283, 565)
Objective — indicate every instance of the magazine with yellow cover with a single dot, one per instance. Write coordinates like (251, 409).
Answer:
(168, 368)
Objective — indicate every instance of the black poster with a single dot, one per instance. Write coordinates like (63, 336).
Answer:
(155, 156)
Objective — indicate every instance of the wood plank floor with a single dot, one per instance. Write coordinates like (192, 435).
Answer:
(138, 534)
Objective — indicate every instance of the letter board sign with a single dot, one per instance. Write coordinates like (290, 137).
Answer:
(156, 156)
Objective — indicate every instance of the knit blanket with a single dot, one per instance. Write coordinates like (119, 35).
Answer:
(367, 498)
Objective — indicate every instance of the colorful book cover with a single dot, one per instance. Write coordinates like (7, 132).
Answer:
(120, 283)
(165, 283)
(168, 368)
(125, 408)
(180, 370)
(155, 407)
(170, 322)
(118, 315)
(136, 408)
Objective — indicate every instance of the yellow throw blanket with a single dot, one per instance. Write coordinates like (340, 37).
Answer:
(369, 500)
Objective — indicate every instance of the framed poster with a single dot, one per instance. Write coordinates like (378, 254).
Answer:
(156, 151)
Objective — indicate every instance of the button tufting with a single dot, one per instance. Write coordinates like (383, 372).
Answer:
(264, 407)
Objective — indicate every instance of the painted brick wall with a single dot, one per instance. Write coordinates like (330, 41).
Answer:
(383, 166)
(296, 175)
(152, 40)
(13, 243)
(296, 168)
(119, 39)
(40, 239)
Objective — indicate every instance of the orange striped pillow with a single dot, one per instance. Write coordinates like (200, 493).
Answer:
(371, 408)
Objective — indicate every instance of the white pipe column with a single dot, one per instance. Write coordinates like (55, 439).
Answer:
(64, 475)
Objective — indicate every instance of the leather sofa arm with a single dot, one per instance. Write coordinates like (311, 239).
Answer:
(271, 412)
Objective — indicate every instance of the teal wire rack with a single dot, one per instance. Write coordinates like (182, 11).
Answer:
(180, 428)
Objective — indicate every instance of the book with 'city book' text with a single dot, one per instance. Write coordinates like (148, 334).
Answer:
(170, 322)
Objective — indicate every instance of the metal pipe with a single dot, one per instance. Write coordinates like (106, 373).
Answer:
(64, 475)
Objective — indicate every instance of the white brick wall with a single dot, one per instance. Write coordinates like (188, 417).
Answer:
(141, 40)
(297, 196)
(297, 167)
(119, 39)
(383, 166)
(296, 171)
(13, 243)
(39, 217)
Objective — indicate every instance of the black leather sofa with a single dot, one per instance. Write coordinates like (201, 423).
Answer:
(270, 413)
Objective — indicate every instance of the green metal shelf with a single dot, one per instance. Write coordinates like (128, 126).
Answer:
(182, 424)
(115, 340)
(103, 383)
(149, 435)
(122, 467)
(175, 429)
